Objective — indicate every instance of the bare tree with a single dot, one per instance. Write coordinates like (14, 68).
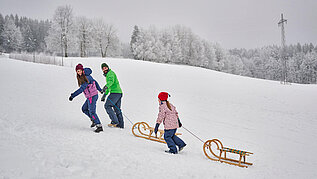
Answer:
(84, 35)
(105, 37)
(63, 17)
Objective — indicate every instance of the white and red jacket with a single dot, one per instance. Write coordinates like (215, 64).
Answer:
(167, 116)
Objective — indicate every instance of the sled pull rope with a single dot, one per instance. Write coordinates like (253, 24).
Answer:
(193, 134)
(121, 111)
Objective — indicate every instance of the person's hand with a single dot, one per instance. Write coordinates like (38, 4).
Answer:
(156, 128)
(104, 89)
(103, 98)
(70, 98)
(179, 123)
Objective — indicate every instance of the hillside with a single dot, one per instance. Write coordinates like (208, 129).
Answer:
(43, 135)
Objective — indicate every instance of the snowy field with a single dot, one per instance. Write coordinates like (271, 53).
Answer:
(43, 135)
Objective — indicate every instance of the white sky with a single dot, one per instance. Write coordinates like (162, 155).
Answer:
(231, 23)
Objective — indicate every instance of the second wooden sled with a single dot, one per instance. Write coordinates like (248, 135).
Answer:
(208, 146)
(143, 130)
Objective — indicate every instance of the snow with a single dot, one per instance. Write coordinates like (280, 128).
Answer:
(43, 135)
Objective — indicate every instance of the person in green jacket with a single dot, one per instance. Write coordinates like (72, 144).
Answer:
(113, 102)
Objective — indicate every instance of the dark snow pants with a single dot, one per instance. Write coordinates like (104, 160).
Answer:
(172, 140)
(89, 108)
(113, 108)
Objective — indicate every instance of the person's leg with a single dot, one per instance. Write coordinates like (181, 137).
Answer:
(178, 141)
(92, 109)
(119, 112)
(168, 134)
(108, 106)
(84, 108)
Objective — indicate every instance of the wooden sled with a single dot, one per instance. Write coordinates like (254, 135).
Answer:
(143, 130)
(208, 145)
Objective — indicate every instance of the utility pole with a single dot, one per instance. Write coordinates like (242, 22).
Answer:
(283, 50)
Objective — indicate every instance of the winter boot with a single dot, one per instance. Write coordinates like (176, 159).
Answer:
(112, 125)
(99, 128)
(92, 123)
(181, 148)
(170, 152)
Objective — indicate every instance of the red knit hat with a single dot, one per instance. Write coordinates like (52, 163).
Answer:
(79, 67)
(163, 96)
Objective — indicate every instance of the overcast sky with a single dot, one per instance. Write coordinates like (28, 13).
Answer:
(231, 23)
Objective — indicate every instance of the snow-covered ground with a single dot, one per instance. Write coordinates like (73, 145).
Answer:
(43, 135)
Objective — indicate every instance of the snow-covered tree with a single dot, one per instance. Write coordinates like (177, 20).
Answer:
(61, 34)
(270, 57)
(105, 38)
(138, 45)
(309, 68)
(209, 55)
(234, 65)
(219, 57)
(185, 36)
(40, 34)
(155, 49)
(11, 36)
(126, 50)
(295, 67)
(134, 39)
(33, 32)
(28, 41)
(84, 35)
(197, 52)
(173, 45)
(175, 51)
(1, 30)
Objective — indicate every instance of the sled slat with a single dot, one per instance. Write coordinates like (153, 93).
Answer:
(213, 156)
(143, 130)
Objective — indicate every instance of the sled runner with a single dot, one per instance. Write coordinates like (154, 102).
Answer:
(222, 157)
(143, 130)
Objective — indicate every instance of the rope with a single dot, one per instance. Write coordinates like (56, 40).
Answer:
(193, 134)
(120, 111)
(132, 122)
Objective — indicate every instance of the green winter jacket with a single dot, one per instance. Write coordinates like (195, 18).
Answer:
(112, 83)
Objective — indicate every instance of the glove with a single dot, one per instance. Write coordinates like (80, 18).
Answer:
(104, 89)
(179, 123)
(70, 98)
(103, 98)
(156, 128)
